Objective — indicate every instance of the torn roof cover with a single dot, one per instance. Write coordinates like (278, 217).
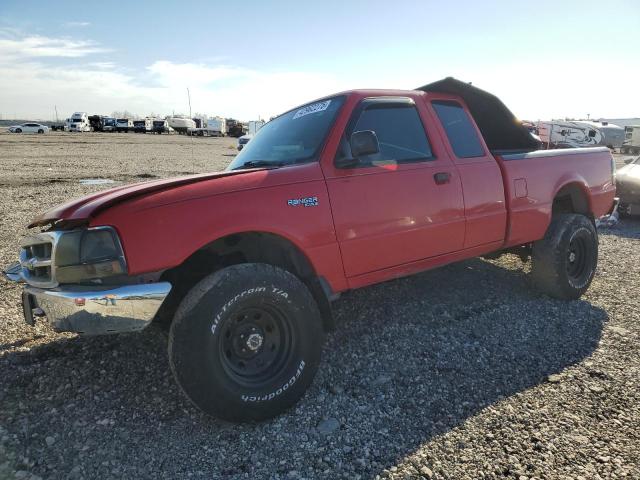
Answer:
(499, 127)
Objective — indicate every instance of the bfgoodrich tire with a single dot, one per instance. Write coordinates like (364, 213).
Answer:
(245, 342)
(565, 260)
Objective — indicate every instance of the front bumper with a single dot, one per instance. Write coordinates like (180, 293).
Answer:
(95, 310)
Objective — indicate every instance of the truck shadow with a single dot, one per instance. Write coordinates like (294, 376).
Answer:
(411, 359)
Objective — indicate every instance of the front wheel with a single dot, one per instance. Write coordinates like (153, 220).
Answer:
(41, 131)
(246, 342)
(565, 260)
(18, 130)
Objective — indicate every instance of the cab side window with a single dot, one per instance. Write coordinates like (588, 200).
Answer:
(460, 132)
(401, 135)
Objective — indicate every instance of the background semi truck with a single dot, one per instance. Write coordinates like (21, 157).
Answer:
(78, 122)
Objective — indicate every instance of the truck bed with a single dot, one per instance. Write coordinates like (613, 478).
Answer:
(532, 180)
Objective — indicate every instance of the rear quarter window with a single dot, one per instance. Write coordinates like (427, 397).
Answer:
(460, 131)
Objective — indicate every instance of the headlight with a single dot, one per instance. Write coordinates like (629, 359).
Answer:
(89, 255)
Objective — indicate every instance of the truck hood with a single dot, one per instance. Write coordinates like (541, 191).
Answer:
(78, 211)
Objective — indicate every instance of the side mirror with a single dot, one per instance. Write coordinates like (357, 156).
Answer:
(364, 142)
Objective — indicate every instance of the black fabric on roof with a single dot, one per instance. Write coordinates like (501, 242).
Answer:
(499, 127)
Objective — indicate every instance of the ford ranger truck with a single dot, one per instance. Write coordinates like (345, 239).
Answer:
(354, 189)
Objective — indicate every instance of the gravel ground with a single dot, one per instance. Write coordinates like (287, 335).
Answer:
(460, 373)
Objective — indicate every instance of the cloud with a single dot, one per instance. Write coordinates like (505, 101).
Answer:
(76, 24)
(16, 47)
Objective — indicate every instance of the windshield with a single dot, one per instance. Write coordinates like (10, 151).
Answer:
(293, 137)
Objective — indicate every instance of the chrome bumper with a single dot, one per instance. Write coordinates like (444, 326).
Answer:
(95, 310)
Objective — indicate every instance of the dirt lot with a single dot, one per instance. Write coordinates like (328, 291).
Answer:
(460, 373)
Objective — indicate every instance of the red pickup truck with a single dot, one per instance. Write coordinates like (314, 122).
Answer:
(353, 189)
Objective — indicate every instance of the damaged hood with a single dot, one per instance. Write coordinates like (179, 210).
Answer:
(78, 211)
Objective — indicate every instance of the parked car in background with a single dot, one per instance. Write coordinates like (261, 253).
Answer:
(628, 187)
(243, 140)
(252, 128)
(29, 128)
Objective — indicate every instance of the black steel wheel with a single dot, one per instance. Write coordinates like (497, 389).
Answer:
(577, 258)
(565, 260)
(245, 342)
(255, 345)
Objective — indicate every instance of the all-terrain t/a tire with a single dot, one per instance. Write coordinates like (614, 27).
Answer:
(565, 260)
(245, 342)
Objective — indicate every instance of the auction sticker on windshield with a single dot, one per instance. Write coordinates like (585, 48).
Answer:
(314, 108)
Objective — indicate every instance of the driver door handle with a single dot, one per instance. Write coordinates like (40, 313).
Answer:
(442, 177)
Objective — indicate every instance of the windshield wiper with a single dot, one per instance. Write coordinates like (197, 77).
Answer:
(258, 163)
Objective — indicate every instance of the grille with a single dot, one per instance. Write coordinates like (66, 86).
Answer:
(36, 259)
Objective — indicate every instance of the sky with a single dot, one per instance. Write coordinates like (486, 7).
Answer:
(254, 59)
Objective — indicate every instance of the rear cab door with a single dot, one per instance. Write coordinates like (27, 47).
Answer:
(482, 183)
(401, 205)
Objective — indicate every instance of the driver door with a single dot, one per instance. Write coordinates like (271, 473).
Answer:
(400, 205)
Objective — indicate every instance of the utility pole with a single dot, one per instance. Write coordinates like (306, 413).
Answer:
(189, 97)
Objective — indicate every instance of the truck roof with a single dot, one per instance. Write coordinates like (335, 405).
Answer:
(501, 130)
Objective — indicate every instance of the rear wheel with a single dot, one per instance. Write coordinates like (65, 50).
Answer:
(245, 342)
(565, 260)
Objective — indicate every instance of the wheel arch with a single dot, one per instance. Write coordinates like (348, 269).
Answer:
(573, 197)
(246, 247)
